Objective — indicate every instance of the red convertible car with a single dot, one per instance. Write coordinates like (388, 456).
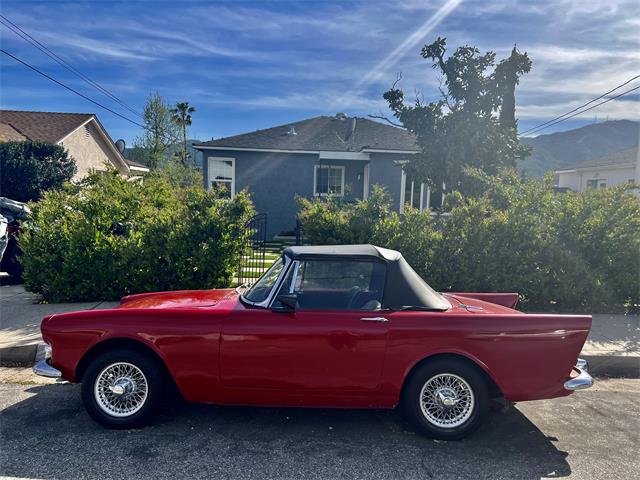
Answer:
(326, 326)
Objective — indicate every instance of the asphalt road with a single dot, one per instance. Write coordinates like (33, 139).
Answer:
(593, 434)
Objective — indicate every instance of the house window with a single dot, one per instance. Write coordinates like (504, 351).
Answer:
(595, 183)
(222, 176)
(328, 180)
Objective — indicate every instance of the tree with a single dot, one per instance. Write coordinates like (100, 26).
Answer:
(30, 168)
(463, 128)
(181, 115)
(159, 134)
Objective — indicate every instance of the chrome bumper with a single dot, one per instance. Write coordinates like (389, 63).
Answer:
(583, 380)
(43, 369)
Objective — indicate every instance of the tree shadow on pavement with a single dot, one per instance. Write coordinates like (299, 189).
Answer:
(47, 434)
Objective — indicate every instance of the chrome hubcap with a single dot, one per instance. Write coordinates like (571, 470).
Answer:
(446, 400)
(121, 389)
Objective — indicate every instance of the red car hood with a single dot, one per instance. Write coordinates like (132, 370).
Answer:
(177, 299)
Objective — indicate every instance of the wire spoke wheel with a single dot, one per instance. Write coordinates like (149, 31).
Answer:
(446, 400)
(121, 389)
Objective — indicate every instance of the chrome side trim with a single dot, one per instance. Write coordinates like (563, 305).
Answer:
(43, 369)
(582, 381)
(374, 319)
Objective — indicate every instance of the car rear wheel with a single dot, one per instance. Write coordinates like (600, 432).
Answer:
(122, 388)
(446, 399)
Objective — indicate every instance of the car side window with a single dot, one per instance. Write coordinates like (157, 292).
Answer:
(336, 284)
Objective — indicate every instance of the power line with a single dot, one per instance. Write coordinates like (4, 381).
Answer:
(554, 120)
(590, 108)
(43, 48)
(71, 89)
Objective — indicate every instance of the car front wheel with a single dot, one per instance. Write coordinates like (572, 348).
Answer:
(122, 389)
(446, 399)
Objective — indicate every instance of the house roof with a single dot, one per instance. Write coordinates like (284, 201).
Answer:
(10, 134)
(43, 126)
(50, 127)
(136, 165)
(336, 133)
(621, 157)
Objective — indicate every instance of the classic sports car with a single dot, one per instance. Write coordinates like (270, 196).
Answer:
(325, 326)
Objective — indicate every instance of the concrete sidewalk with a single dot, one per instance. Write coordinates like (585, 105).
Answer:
(20, 317)
(612, 349)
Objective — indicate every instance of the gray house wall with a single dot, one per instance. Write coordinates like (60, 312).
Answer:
(384, 170)
(274, 180)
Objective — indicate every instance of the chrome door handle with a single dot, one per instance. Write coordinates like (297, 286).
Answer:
(374, 319)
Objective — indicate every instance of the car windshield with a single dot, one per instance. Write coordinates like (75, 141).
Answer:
(260, 290)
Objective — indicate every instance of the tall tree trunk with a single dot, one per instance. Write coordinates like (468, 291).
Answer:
(184, 142)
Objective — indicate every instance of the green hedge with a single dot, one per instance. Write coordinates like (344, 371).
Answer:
(561, 252)
(166, 238)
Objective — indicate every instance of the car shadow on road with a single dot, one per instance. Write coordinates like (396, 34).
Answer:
(49, 435)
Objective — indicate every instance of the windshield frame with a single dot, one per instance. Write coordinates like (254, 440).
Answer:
(275, 288)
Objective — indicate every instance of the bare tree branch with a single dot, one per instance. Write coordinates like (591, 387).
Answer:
(397, 80)
(386, 119)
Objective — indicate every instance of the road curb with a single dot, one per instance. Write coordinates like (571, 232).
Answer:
(620, 366)
(18, 356)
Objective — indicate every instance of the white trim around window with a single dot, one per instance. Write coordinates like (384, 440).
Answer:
(231, 180)
(329, 167)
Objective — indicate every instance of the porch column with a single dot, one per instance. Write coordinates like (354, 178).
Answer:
(365, 182)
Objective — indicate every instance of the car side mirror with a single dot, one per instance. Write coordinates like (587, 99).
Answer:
(289, 303)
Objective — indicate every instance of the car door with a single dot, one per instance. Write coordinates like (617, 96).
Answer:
(329, 343)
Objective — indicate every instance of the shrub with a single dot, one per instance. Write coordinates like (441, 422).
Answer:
(30, 168)
(564, 252)
(569, 252)
(109, 237)
(333, 221)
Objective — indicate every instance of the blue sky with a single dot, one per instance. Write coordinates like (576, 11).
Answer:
(250, 65)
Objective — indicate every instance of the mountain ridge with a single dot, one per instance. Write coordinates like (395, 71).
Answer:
(560, 150)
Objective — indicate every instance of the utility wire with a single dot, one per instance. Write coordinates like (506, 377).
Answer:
(43, 48)
(71, 89)
(554, 120)
(590, 108)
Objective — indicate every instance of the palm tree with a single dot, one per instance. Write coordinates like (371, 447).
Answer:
(181, 115)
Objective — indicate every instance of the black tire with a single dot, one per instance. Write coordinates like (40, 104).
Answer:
(442, 370)
(152, 374)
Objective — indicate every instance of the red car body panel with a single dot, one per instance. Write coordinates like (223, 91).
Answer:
(218, 350)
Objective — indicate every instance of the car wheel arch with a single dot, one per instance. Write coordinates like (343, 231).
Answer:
(121, 343)
(492, 386)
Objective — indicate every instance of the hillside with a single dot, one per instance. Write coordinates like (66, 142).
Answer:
(562, 149)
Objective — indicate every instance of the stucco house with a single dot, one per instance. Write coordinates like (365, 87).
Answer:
(316, 157)
(81, 134)
(619, 167)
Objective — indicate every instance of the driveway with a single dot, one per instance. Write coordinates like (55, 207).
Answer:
(589, 435)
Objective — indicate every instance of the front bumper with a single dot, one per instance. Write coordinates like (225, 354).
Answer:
(582, 380)
(43, 369)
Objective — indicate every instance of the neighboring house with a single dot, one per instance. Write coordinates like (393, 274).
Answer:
(619, 167)
(81, 134)
(320, 156)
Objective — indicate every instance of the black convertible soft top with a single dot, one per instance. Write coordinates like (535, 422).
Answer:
(404, 288)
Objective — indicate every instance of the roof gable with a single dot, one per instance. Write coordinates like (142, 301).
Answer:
(337, 133)
(43, 126)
